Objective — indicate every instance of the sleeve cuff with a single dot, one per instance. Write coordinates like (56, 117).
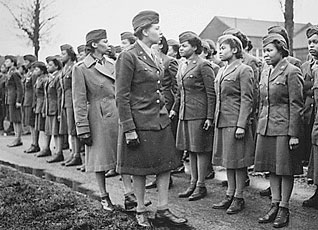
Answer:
(128, 125)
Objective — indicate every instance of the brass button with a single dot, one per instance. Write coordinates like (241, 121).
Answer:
(158, 101)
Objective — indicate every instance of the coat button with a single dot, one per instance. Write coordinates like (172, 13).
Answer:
(158, 81)
(158, 101)
(158, 91)
(157, 72)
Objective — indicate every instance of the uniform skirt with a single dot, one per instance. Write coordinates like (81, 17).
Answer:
(52, 126)
(28, 116)
(192, 137)
(230, 152)
(63, 123)
(273, 155)
(14, 114)
(155, 154)
(39, 122)
(313, 164)
(71, 128)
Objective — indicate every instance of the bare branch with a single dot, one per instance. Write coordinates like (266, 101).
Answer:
(282, 7)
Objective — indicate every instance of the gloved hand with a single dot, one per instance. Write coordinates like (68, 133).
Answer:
(86, 139)
(132, 139)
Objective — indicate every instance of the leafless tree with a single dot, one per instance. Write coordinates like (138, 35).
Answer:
(288, 10)
(33, 18)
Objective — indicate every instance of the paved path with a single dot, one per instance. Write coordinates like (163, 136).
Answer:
(200, 213)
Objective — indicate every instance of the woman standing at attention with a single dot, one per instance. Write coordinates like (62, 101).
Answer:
(195, 105)
(146, 144)
(233, 140)
(281, 101)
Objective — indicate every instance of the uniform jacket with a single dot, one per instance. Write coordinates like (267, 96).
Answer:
(66, 85)
(314, 134)
(196, 94)
(93, 90)
(140, 102)
(38, 102)
(308, 93)
(2, 87)
(28, 89)
(169, 80)
(281, 91)
(234, 88)
(294, 61)
(53, 95)
(14, 89)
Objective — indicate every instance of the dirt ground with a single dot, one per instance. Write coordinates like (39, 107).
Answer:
(199, 213)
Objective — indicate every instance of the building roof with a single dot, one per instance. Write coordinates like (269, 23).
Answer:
(258, 28)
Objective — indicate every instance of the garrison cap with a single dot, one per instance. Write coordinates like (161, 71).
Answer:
(172, 42)
(12, 58)
(29, 57)
(127, 35)
(40, 65)
(270, 38)
(311, 31)
(66, 47)
(226, 37)
(145, 18)
(279, 30)
(81, 48)
(56, 59)
(96, 35)
(186, 36)
(212, 45)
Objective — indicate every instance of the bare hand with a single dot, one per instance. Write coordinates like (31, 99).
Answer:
(172, 114)
(18, 105)
(132, 139)
(239, 133)
(207, 124)
(293, 143)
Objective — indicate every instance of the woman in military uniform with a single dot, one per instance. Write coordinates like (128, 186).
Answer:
(279, 124)
(96, 117)
(14, 93)
(233, 140)
(195, 104)
(146, 144)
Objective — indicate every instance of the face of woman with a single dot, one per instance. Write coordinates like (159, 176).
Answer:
(271, 55)
(124, 44)
(37, 71)
(51, 68)
(171, 52)
(313, 45)
(65, 56)
(186, 49)
(3, 68)
(102, 46)
(226, 52)
(153, 33)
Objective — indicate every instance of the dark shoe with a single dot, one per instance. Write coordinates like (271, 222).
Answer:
(107, 204)
(270, 215)
(167, 217)
(74, 162)
(178, 170)
(130, 202)
(65, 146)
(33, 149)
(210, 175)
(80, 167)
(142, 219)
(111, 173)
(312, 202)
(224, 204)
(15, 143)
(224, 183)
(187, 192)
(247, 182)
(44, 153)
(236, 206)
(199, 193)
(282, 218)
(57, 158)
(67, 160)
(151, 185)
(266, 192)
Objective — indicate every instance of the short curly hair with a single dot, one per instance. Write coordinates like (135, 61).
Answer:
(234, 44)
(196, 42)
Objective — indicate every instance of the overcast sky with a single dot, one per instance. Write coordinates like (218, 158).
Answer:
(77, 17)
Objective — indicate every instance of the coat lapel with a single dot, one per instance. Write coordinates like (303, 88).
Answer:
(106, 69)
(230, 69)
(144, 57)
(191, 65)
(280, 67)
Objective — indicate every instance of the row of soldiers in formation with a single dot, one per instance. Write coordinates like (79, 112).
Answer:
(41, 95)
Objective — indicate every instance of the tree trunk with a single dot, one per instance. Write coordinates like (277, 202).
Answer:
(289, 23)
(36, 35)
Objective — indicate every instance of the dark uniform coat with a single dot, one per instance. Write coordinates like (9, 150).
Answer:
(38, 99)
(93, 89)
(53, 95)
(234, 86)
(281, 91)
(28, 91)
(14, 88)
(141, 107)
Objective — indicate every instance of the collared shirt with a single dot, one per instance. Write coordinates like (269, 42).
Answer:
(147, 49)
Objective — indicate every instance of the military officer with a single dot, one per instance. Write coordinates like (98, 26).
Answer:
(81, 52)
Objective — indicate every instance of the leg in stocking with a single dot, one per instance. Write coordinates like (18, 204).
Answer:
(287, 189)
(163, 186)
(240, 177)
(139, 183)
(276, 187)
(231, 182)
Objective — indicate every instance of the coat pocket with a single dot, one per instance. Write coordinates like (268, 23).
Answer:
(106, 107)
